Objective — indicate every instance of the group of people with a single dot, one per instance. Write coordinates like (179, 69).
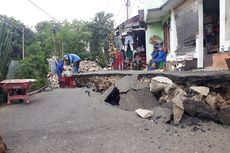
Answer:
(72, 60)
(121, 59)
(158, 55)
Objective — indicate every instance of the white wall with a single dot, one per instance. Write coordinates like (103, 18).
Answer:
(173, 33)
(224, 24)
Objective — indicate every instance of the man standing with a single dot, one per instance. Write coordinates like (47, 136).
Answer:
(74, 60)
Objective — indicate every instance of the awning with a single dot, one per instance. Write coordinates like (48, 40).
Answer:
(156, 14)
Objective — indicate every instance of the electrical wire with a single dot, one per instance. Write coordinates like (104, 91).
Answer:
(132, 7)
(107, 5)
(119, 10)
(141, 2)
(122, 16)
(42, 10)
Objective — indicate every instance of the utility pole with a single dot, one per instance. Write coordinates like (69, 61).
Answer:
(23, 43)
(127, 8)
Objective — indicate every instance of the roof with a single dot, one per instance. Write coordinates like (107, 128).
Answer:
(156, 14)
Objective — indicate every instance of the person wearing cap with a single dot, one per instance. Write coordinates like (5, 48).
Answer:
(160, 58)
(154, 55)
(73, 59)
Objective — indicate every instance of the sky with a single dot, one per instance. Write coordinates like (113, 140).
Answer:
(61, 10)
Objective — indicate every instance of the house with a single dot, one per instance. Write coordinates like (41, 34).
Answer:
(136, 27)
(198, 28)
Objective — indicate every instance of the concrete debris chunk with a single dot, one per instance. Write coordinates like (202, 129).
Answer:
(163, 80)
(178, 108)
(135, 99)
(204, 91)
(211, 101)
(144, 113)
(162, 114)
(129, 82)
(161, 83)
(224, 115)
(200, 109)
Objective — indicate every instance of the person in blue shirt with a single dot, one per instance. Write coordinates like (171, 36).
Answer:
(73, 59)
(161, 57)
(59, 68)
(154, 54)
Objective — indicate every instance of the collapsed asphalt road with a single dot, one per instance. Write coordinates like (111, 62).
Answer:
(71, 121)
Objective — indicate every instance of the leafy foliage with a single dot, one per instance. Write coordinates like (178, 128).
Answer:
(6, 46)
(102, 34)
(53, 38)
(34, 66)
(16, 28)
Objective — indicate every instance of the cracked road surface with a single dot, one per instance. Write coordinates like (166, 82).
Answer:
(70, 121)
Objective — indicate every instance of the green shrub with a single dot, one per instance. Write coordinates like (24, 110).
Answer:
(34, 66)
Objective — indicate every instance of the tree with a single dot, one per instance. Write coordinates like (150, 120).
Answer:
(102, 33)
(46, 36)
(16, 28)
(6, 47)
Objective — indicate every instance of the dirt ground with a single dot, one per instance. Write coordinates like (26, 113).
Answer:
(74, 121)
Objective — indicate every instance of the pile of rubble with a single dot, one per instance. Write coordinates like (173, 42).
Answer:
(99, 84)
(161, 99)
(89, 66)
(52, 76)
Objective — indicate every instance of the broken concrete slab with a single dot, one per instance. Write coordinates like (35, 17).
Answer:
(144, 113)
(129, 82)
(200, 109)
(162, 114)
(178, 108)
(224, 115)
(133, 100)
(204, 91)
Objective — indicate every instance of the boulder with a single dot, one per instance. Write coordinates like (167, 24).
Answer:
(224, 115)
(144, 113)
(204, 91)
(133, 100)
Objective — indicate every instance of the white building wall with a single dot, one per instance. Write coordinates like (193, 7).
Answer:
(224, 25)
(173, 33)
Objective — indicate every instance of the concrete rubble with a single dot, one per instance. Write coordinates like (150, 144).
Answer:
(89, 66)
(204, 91)
(153, 94)
(144, 113)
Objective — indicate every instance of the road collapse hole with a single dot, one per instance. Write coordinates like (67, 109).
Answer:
(114, 97)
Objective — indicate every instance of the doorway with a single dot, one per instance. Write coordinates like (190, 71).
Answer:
(211, 26)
